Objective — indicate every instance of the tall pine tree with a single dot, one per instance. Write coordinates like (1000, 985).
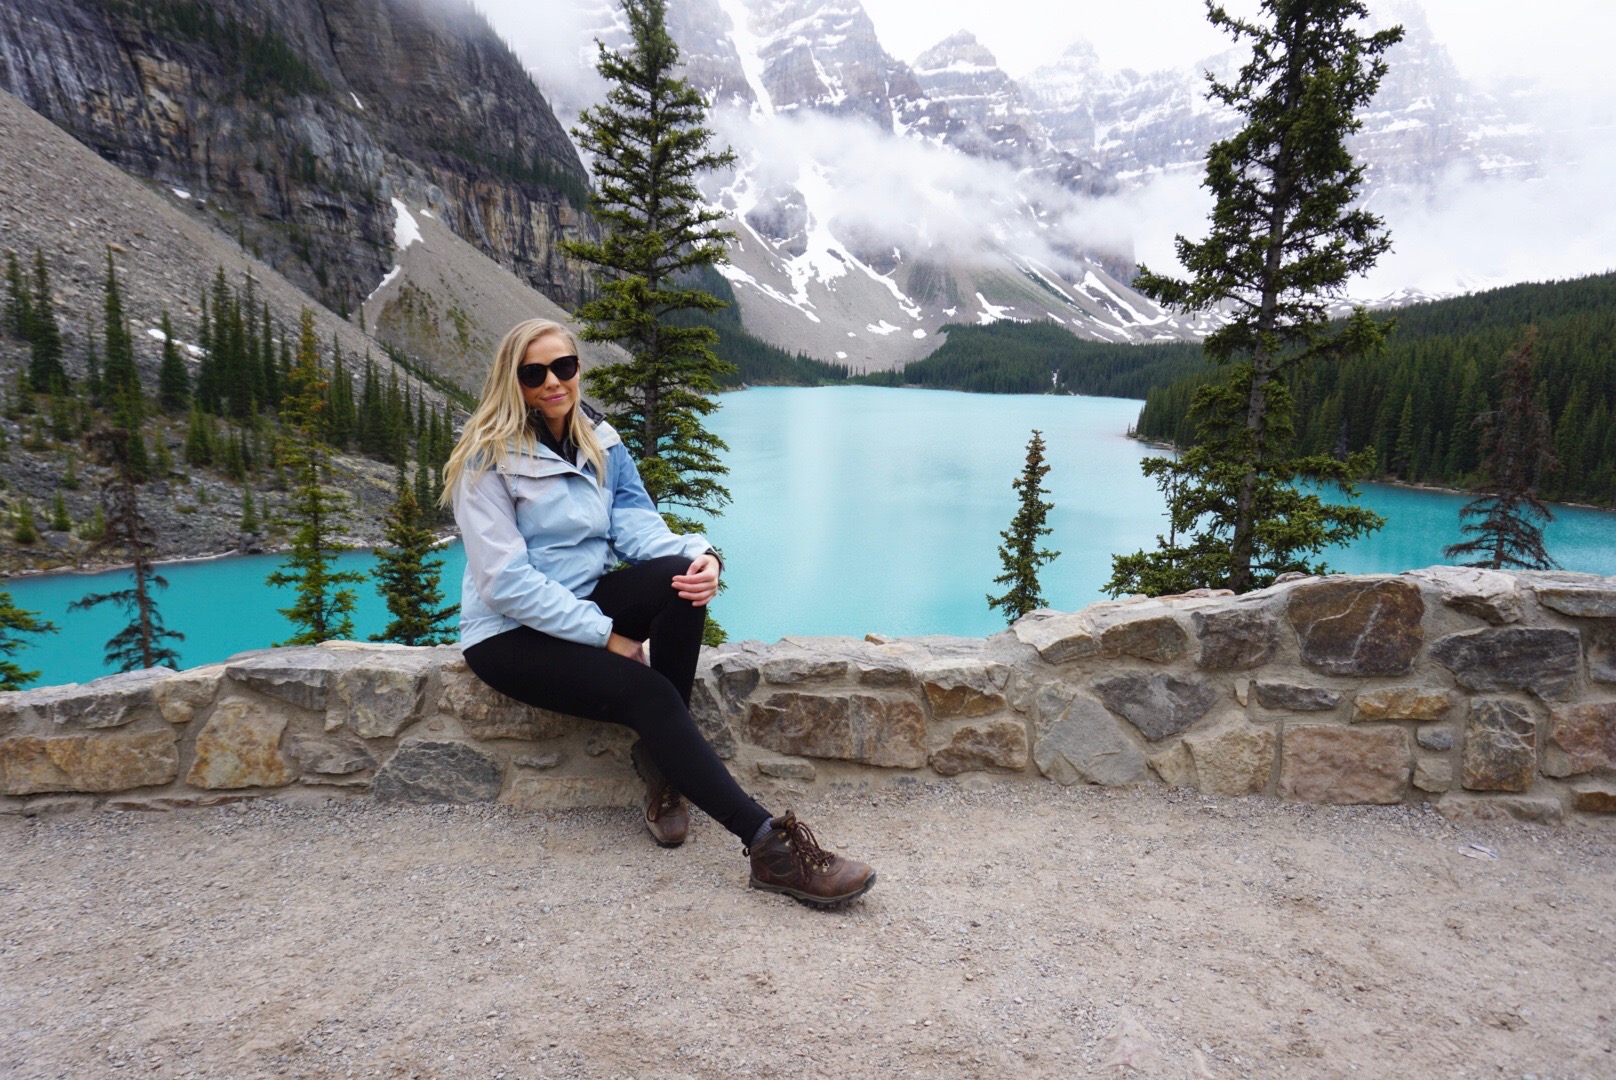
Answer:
(1283, 243)
(1020, 553)
(408, 578)
(322, 610)
(13, 621)
(649, 143)
(1505, 526)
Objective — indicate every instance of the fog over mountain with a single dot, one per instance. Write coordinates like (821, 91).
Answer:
(877, 199)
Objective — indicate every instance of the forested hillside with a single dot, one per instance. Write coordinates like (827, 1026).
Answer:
(1416, 402)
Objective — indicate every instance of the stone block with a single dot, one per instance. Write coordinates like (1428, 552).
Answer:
(851, 727)
(963, 687)
(1582, 739)
(337, 756)
(1599, 645)
(1435, 737)
(239, 747)
(1358, 626)
(1433, 775)
(485, 713)
(992, 744)
(1158, 705)
(431, 771)
(1155, 637)
(1593, 798)
(1462, 807)
(735, 676)
(1401, 703)
(1238, 637)
(116, 761)
(1175, 766)
(1058, 638)
(1087, 744)
(786, 769)
(1579, 601)
(711, 717)
(1542, 660)
(1500, 746)
(1293, 697)
(34, 707)
(1234, 758)
(185, 693)
(886, 674)
(107, 702)
(380, 695)
(528, 791)
(785, 670)
(548, 759)
(299, 676)
(1485, 594)
(1342, 765)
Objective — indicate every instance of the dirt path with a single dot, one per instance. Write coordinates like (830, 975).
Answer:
(1029, 932)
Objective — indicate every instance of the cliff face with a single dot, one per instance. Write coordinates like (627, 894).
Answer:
(297, 121)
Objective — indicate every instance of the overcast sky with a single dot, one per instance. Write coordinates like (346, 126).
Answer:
(1564, 43)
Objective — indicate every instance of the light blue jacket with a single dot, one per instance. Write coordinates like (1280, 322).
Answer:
(539, 532)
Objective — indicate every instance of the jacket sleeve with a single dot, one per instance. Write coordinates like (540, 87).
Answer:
(638, 532)
(497, 556)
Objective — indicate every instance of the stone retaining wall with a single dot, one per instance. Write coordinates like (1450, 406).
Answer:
(1491, 694)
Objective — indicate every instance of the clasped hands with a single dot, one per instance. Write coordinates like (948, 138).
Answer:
(699, 585)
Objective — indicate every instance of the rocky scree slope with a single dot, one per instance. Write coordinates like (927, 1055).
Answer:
(296, 122)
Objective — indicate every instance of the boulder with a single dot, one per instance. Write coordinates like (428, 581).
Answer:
(380, 695)
(1599, 642)
(431, 771)
(1328, 764)
(1292, 697)
(785, 670)
(1542, 660)
(1239, 637)
(1463, 807)
(299, 676)
(1490, 595)
(1175, 766)
(1148, 631)
(1086, 744)
(1158, 705)
(710, 717)
(1234, 758)
(185, 693)
(1435, 737)
(1401, 703)
(1579, 601)
(964, 687)
(1433, 776)
(239, 747)
(1358, 626)
(1582, 739)
(1500, 746)
(1593, 798)
(114, 761)
(327, 756)
(1058, 638)
(993, 744)
(851, 727)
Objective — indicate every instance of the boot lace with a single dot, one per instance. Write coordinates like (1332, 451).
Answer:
(805, 850)
(669, 801)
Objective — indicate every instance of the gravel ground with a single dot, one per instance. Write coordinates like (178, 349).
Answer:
(1034, 931)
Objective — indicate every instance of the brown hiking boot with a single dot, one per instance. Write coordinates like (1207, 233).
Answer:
(789, 860)
(666, 815)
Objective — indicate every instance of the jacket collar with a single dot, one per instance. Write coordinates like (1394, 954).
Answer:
(540, 460)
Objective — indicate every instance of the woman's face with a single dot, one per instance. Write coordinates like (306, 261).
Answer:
(554, 399)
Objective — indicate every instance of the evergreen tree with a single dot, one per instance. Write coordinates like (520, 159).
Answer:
(1507, 527)
(13, 621)
(1020, 554)
(140, 644)
(173, 381)
(1282, 245)
(649, 143)
(408, 578)
(45, 358)
(322, 611)
(119, 376)
(60, 522)
(19, 304)
(24, 530)
(199, 449)
(249, 513)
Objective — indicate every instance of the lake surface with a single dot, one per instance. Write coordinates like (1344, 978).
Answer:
(856, 509)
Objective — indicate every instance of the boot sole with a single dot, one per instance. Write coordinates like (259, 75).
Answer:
(634, 760)
(821, 902)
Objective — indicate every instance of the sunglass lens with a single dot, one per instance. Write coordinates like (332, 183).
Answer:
(565, 367)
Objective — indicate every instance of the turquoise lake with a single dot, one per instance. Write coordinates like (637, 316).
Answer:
(856, 509)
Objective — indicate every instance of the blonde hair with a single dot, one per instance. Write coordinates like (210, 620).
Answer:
(502, 415)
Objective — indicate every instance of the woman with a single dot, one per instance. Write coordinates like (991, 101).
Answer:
(547, 500)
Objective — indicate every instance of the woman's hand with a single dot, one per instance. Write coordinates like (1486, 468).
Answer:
(627, 647)
(700, 582)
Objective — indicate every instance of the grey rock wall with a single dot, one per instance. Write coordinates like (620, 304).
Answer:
(1489, 695)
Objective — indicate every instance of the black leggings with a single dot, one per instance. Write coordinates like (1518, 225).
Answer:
(597, 684)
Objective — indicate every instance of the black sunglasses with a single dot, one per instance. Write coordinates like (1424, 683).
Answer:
(533, 375)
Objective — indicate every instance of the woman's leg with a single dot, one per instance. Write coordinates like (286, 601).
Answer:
(581, 680)
(641, 603)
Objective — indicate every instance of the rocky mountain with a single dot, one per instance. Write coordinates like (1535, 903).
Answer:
(293, 124)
